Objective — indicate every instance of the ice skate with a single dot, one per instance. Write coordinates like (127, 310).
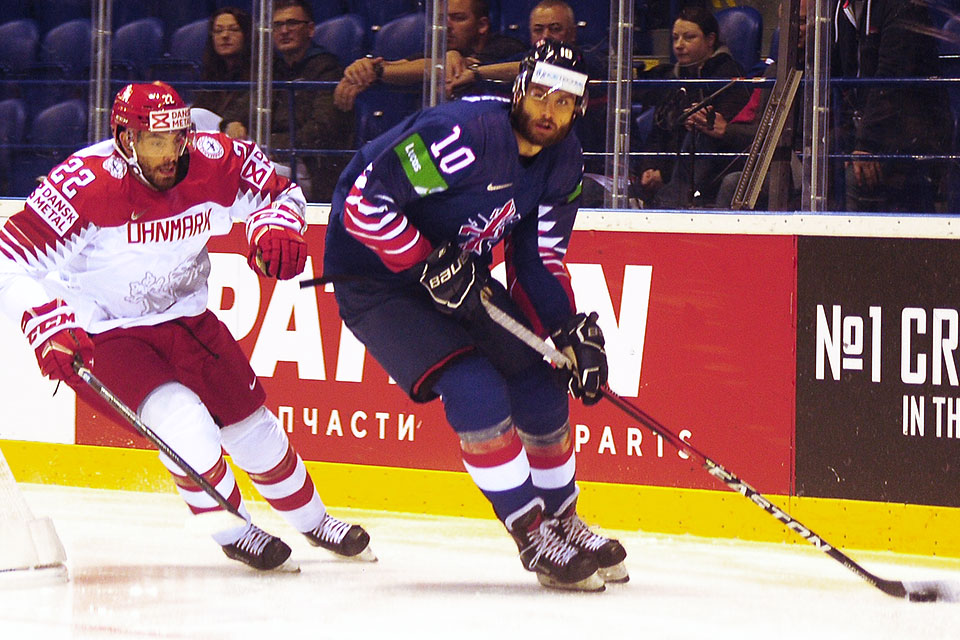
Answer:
(342, 538)
(557, 563)
(609, 553)
(260, 550)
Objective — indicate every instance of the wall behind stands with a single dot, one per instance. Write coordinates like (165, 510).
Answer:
(814, 356)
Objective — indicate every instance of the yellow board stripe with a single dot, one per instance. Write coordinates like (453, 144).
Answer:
(849, 524)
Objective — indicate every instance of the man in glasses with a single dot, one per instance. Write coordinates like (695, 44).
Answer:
(317, 124)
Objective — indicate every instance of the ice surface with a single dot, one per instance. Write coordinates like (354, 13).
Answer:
(137, 572)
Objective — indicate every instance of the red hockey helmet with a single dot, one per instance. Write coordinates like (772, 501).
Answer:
(149, 107)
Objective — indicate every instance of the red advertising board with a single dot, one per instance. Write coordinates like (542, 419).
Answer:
(700, 331)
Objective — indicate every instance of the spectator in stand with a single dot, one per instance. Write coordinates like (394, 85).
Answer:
(886, 39)
(665, 181)
(470, 44)
(738, 134)
(227, 59)
(317, 124)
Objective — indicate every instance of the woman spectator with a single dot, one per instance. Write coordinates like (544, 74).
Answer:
(227, 59)
(665, 181)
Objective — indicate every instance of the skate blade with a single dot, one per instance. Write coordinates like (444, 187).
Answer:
(616, 574)
(289, 566)
(593, 583)
(367, 555)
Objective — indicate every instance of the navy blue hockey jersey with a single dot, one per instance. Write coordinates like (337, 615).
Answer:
(454, 173)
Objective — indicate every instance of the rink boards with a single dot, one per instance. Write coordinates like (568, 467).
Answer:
(814, 356)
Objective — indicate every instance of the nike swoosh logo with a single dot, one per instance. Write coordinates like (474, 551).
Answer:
(497, 187)
(136, 215)
(253, 384)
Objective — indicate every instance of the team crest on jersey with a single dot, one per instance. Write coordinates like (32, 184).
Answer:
(209, 147)
(115, 166)
(257, 169)
(482, 234)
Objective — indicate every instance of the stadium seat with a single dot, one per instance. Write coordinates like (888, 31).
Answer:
(401, 37)
(64, 62)
(179, 14)
(343, 36)
(741, 29)
(515, 19)
(593, 23)
(56, 132)
(52, 13)
(18, 44)
(68, 44)
(127, 11)
(379, 108)
(189, 41)
(377, 13)
(323, 10)
(13, 119)
(138, 43)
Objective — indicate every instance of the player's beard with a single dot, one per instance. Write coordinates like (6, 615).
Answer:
(161, 181)
(524, 124)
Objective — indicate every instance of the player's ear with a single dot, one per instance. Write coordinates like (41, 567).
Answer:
(483, 25)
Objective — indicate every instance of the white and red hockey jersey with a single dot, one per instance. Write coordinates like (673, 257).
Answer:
(122, 254)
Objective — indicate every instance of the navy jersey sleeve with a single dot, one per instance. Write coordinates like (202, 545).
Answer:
(430, 157)
(537, 277)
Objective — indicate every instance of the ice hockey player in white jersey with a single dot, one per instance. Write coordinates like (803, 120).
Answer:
(107, 262)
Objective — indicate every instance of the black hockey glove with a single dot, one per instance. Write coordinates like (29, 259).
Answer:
(454, 280)
(581, 340)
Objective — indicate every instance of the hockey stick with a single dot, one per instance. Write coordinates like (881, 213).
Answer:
(213, 520)
(916, 591)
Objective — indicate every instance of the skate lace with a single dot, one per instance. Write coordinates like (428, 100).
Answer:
(253, 541)
(549, 545)
(332, 530)
(579, 534)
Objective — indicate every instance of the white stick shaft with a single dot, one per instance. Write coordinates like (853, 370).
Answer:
(526, 336)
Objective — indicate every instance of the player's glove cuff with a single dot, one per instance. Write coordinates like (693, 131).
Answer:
(581, 340)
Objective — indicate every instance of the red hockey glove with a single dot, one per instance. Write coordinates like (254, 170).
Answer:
(581, 340)
(53, 333)
(277, 252)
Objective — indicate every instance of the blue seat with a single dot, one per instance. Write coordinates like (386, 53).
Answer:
(64, 61)
(178, 14)
(593, 23)
(68, 44)
(379, 108)
(127, 11)
(136, 44)
(52, 13)
(18, 44)
(344, 36)
(13, 120)
(377, 13)
(323, 10)
(514, 19)
(189, 41)
(401, 37)
(55, 132)
(741, 29)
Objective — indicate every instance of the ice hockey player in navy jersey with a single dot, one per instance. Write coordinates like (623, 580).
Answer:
(107, 263)
(413, 223)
